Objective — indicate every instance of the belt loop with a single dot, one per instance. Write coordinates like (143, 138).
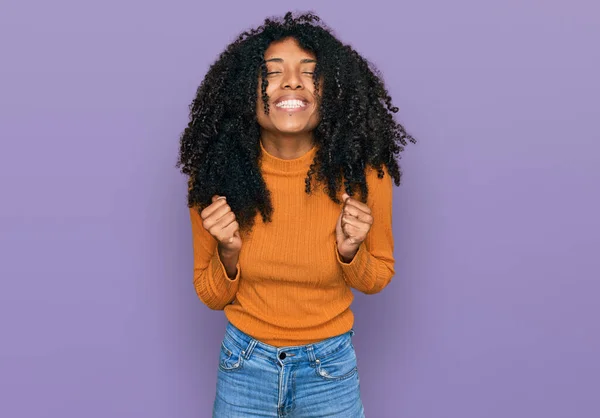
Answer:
(250, 348)
(352, 332)
(311, 354)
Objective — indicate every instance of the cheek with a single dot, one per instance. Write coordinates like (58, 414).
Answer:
(259, 97)
(262, 118)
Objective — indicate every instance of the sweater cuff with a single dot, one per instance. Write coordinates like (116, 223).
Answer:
(221, 280)
(359, 271)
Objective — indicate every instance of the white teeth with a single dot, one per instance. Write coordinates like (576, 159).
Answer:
(291, 104)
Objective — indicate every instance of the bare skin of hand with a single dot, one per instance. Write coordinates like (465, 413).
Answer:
(352, 227)
(220, 222)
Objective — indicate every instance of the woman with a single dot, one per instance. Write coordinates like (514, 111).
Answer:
(291, 124)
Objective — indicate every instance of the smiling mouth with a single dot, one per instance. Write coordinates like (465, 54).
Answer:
(293, 105)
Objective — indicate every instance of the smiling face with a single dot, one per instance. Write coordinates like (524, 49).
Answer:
(293, 107)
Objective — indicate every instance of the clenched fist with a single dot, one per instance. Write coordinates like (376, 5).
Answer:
(353, 224)
(220, 222)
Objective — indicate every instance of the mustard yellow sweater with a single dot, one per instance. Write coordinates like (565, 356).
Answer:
(291, 286)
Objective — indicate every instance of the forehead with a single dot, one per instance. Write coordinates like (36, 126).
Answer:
(287, 49)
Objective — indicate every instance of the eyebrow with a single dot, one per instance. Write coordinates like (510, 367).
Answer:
(302, 61)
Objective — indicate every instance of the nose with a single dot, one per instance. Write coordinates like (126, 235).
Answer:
(292, 80)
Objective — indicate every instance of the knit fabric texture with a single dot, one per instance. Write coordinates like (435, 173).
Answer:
(292, 288)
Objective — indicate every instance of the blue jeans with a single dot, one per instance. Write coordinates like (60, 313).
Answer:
(314, 380)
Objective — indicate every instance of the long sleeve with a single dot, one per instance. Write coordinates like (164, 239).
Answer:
(372, 267)
(212, 284)
(290, 289)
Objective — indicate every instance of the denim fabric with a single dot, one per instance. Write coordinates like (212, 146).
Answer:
(259, 380)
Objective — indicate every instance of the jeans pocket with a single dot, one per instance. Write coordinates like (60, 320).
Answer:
(341, 364)
(231, 357)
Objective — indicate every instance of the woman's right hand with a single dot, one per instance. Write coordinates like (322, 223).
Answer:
(220, 222)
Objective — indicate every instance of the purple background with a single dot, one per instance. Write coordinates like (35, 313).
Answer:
(494, 308)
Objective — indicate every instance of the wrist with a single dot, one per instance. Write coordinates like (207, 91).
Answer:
(228, 253)
(229, 259)
(346, 256)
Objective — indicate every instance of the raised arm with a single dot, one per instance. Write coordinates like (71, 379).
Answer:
(372, 266)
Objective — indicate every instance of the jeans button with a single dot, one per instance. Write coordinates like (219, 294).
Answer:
(282, 356)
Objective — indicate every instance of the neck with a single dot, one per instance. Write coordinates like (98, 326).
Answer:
(287, 146)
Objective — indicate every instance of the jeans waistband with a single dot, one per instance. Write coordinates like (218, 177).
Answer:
(307, 352)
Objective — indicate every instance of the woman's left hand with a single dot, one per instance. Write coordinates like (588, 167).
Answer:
(353, 224)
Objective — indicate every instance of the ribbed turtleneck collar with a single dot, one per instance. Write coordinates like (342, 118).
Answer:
(301, 164)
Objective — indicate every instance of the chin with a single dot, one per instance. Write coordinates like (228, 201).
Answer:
(292, 129)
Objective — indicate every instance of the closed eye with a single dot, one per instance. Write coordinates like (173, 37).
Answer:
(279, 72)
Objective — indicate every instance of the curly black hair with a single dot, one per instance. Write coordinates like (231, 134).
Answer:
(220, 149)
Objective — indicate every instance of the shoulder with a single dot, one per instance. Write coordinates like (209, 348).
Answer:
(380, 189)
(373, 180)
